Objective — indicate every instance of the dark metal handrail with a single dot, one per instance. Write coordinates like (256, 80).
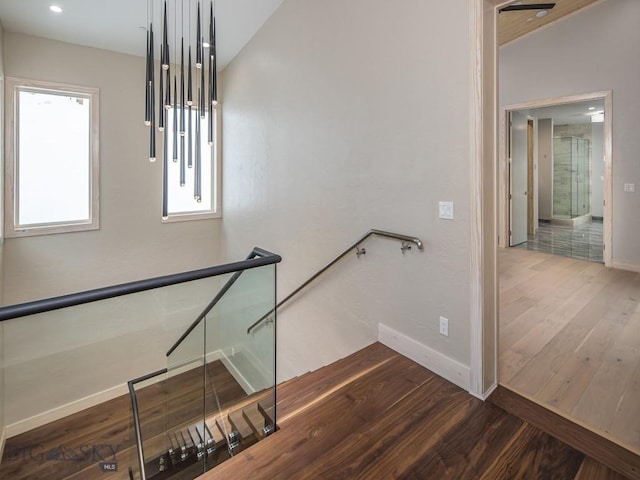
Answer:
(39, 306)
(258, 256)
(406, 241)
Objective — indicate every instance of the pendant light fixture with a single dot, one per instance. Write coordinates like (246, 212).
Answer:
(178, 99)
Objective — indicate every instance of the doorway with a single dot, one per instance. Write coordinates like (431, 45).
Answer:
(557, 176)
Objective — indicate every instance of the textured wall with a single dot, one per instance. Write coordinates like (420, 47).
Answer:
(94, 349)
(342, 116)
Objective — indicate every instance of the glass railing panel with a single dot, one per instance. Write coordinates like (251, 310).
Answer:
(241, 367)
(220, 387)
(80, 358)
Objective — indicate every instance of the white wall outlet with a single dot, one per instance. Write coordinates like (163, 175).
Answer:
(630, 187)
(444, 326)
(445, 210)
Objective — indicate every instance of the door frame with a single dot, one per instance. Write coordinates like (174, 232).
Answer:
(503, 167)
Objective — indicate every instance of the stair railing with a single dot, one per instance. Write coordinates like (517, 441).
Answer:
(256, 258)
(406, 240)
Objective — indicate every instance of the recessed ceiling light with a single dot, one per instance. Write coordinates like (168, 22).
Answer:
(592, 108)
(542, 13)
(55, 8)
(205, 45)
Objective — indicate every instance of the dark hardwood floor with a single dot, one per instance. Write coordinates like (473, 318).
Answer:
(374, 415)
(74, 447)
(377, 415)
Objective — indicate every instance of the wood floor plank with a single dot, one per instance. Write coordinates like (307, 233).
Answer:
(319, 427)
(626, 422)
(468, 449)
(577, 436)
(533, 455)
(593, 470)
(309, 389)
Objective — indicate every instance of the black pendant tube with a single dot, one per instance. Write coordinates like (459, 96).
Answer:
(152, 94)
(161, 94)
(189, 82)
(214, 56)
(182, 99)
(165, 40)
(190, 137)
(175, 118)
(182, 119)
(198, 42)
(167, 96)
(147, 100)
(202, 94)
(165, 171)
(211, 77)
(196, 173)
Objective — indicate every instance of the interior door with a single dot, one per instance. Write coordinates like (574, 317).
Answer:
(518, 178)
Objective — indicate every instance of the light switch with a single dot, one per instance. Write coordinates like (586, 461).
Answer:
(630, 187)
(446, 210)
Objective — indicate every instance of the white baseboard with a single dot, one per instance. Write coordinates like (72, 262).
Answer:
(227, 361)
(69, 409)
(632, 267)
(429, 358)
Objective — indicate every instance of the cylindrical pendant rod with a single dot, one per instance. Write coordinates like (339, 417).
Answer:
(165, 40)
(167, 96)
(190, 137)
(175, 119)
(202, 94)
(161, 93)
(189, 81)
(165, 172)
(147, 100)
(198, 164)
(182, 99)
(152, 94)
(198, 41)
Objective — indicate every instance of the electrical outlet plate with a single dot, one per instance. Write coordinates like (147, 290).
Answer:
(630, 187)
(444, 326)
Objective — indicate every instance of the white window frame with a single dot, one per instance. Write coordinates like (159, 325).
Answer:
(216, 180)
(12, 230)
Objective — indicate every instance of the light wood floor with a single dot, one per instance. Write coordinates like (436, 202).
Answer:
(570, 338)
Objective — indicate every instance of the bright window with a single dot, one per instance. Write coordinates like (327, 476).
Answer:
(54, 165)
(182, 203)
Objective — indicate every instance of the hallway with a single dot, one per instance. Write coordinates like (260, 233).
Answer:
(570, 338)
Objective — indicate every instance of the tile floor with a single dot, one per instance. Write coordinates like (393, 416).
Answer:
(583, 242)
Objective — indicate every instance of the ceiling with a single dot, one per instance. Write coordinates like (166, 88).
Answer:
(515, 24)
(119, 25)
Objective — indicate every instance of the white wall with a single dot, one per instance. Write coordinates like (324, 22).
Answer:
(75, 354)
(339, 117)
(132, 243)
(590, 52)
(545, 168)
